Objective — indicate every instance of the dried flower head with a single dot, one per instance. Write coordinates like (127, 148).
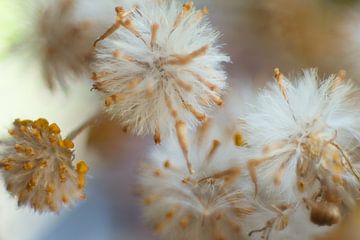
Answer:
(38, 166)
(158, 66)
(305, 131)
(208, 204)
(62, 36)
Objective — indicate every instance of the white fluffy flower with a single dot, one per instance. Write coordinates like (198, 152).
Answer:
(62, 33)
(38, 166)
(159, 64)
(305, 131)
(208, 204)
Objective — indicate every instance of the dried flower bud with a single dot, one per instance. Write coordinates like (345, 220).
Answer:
(38, 168)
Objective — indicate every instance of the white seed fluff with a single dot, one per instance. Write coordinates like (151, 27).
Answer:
(206, 205)
(305, 131)
(159, 63)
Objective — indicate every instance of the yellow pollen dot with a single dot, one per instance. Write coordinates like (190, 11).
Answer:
(238, 139)
(167, 164)
(41, 123)
(50, 188)
(301, 186)
(170, 214)
(28, 166)
(8, 164)
(19, 148)
(81, 167)
(68, 143)
(54, 128)
(29, 151)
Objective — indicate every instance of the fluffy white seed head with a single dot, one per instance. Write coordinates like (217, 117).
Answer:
(62, 35)
(38, 166)
(208, 204)
(303, 133)
(159, 63)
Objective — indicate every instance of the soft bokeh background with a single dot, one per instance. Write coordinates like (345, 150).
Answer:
(258, 35)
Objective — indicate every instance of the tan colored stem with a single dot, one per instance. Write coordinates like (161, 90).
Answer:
(73, 134)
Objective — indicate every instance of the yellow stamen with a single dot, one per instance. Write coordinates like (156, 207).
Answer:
(82, 168)
(238, 139)
(28, 166)
(54, 128)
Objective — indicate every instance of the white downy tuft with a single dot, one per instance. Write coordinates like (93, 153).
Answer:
(208, 204)
(302, 135)
(159, 65)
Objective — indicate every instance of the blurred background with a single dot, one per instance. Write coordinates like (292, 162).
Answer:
(258, 35)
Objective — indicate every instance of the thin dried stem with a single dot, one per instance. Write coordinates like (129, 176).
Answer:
(73, 134)
(348, 161)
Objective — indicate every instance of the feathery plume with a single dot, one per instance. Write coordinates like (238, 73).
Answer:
(208, 204)
(158, 67)
(37, 166)
(305, 131)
